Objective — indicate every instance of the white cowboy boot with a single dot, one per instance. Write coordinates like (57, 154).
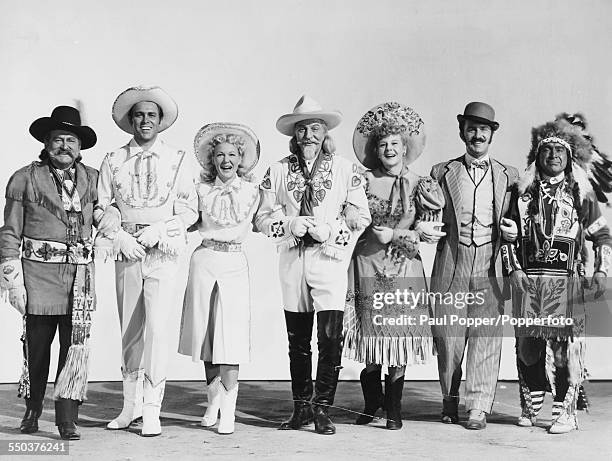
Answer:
(153, 396)
(132, 403)
(227, 409)
(214, 401)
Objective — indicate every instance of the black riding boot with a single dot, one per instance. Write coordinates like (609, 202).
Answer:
(393, 402)
(299, 332)
(329, 339)
(372, 395)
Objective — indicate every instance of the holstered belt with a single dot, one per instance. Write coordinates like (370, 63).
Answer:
(56, 252)
(132, 228)
(222, 246)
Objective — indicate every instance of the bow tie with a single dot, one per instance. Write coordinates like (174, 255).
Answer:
(482, 164)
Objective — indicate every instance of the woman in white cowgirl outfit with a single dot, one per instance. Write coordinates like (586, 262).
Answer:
(215, 326)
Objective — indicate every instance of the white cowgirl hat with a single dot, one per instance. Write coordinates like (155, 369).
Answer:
(136, 94)
(206, 134)
(305, 109)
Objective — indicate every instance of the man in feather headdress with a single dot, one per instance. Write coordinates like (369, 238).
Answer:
(556, 209)
(46, 264)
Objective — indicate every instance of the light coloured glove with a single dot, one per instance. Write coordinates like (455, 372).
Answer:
(12, 282)
(383, 234)
(352, 218)
(150, 235)
(110, 222)
(508, 229)
(18, 298)
(300, 225)
(129, 246)
(598, 283)
(520, 281)
(320, 232)
(429, 231)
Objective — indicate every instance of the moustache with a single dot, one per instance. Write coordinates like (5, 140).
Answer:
(475, 140)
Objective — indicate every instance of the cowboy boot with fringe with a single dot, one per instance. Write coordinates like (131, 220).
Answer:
(153, 396)
(214, 402)
(227, 409)
(132, 403)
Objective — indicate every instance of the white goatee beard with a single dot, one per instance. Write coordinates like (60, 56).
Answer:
(309, 151)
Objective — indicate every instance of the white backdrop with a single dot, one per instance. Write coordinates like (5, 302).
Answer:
(249, 62)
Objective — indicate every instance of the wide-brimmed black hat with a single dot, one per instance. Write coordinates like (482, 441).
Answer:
(479, 112)
(64, 118)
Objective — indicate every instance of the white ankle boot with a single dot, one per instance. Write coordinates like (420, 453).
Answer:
(153, 396)
(227, 409)
(132, 403)
(214, 402)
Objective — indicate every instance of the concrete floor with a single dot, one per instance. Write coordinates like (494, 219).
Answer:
(262, 405)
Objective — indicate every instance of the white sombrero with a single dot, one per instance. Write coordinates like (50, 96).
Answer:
(205, 135)
(136, 94)
(305, 109)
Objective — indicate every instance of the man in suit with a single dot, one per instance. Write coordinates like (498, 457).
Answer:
(477, 192)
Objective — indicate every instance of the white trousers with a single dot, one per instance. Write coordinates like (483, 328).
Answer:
(145, 291)
(312, 281)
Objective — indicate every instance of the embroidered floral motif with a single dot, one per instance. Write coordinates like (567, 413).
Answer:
(321, 180)
(277, 229)
(140, 186)
(228, 205)
(343, 237)
(266, 183)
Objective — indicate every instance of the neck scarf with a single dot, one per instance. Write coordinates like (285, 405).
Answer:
(309, 201)
(399, 190)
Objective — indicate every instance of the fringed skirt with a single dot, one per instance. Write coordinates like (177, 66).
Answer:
(392, 331)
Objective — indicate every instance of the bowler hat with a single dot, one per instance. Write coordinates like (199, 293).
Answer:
(64, 118)
(479, 112)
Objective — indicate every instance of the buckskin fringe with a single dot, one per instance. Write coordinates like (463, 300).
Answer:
(391, 351)
(72, 381)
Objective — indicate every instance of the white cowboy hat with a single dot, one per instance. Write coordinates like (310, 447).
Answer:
(204, 136)
(136, 94)
(305, 109)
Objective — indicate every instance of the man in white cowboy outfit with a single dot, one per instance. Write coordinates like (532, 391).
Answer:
(151, 186)
(477, 193)
(556, 210)
(48, 224)
(302, 198)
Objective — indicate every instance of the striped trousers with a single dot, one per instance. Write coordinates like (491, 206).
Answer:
(474, 273)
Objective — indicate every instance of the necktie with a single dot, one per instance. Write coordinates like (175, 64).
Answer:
(146, 174)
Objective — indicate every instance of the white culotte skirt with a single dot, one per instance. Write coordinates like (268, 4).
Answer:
(215, 326)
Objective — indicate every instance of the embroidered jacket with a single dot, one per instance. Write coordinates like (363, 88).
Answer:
(149, 188)
(336, 183)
